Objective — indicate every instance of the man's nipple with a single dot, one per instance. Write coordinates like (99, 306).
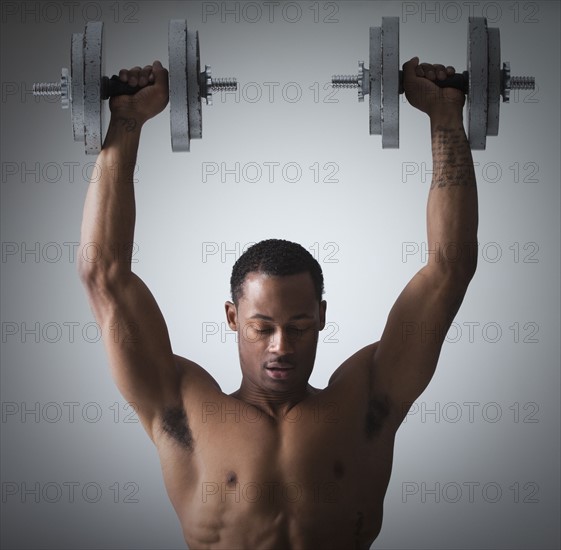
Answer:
(231, 478)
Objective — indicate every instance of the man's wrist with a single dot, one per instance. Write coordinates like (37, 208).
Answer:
(126, 123)
(123, 132)
(448, 118)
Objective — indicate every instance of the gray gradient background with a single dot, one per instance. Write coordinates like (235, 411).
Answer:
(367, 215)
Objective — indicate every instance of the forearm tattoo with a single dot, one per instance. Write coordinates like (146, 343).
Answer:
(129, 124)
(452, 161)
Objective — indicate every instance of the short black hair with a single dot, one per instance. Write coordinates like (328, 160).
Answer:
(276, 257)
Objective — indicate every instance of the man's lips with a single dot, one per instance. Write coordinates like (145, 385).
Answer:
(279, 371)
(273, 365)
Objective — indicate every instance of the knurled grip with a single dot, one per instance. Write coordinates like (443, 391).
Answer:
(114, 86)
(460, 81)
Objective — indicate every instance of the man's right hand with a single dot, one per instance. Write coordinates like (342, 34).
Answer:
(151, 98)
(422, 92)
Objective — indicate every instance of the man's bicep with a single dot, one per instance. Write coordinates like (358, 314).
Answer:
(138, 346)
(410, 345)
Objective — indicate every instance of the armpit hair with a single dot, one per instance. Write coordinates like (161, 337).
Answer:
(377, 411)
(176, 425)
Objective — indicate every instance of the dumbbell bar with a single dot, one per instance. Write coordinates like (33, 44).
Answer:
(483, 82)
(86, 87)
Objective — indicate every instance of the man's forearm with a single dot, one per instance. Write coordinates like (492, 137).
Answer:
(452, 215)
(109, 211)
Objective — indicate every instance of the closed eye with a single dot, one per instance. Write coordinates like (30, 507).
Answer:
(298, 331)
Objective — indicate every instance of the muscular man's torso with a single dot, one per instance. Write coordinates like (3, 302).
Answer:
(314, 478)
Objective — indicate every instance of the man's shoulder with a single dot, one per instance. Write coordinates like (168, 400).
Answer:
(193, 376)
(356, 365)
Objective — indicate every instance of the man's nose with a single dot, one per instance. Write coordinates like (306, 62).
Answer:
(280, 343)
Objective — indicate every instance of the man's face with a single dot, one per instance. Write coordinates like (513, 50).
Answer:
(278, 320)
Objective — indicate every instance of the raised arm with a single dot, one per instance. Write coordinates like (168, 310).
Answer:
(134, 331)
(406, 357)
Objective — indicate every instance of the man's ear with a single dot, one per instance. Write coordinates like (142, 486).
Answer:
(231, 315)
(322, 310)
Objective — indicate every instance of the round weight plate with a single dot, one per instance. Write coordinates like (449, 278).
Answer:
(179, 109)
(77, 86)
(93, 67)
(390, 82)
(375, 84)
(478, 69)
(193, 87)
(92, 87)
(494, 79)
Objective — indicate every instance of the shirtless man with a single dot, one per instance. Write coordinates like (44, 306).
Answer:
(278, 464)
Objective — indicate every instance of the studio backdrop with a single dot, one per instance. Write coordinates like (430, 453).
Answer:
(476, 462)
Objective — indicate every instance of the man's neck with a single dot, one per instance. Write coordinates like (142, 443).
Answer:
(275, 404)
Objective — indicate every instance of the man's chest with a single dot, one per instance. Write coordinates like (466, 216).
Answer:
(315, 455)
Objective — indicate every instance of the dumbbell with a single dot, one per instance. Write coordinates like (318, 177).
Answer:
(85, 88)
(483, 82)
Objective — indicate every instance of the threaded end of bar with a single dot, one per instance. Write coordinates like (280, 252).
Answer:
(47, 88)
(224, 85)
(522, 82)
(344, 81)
